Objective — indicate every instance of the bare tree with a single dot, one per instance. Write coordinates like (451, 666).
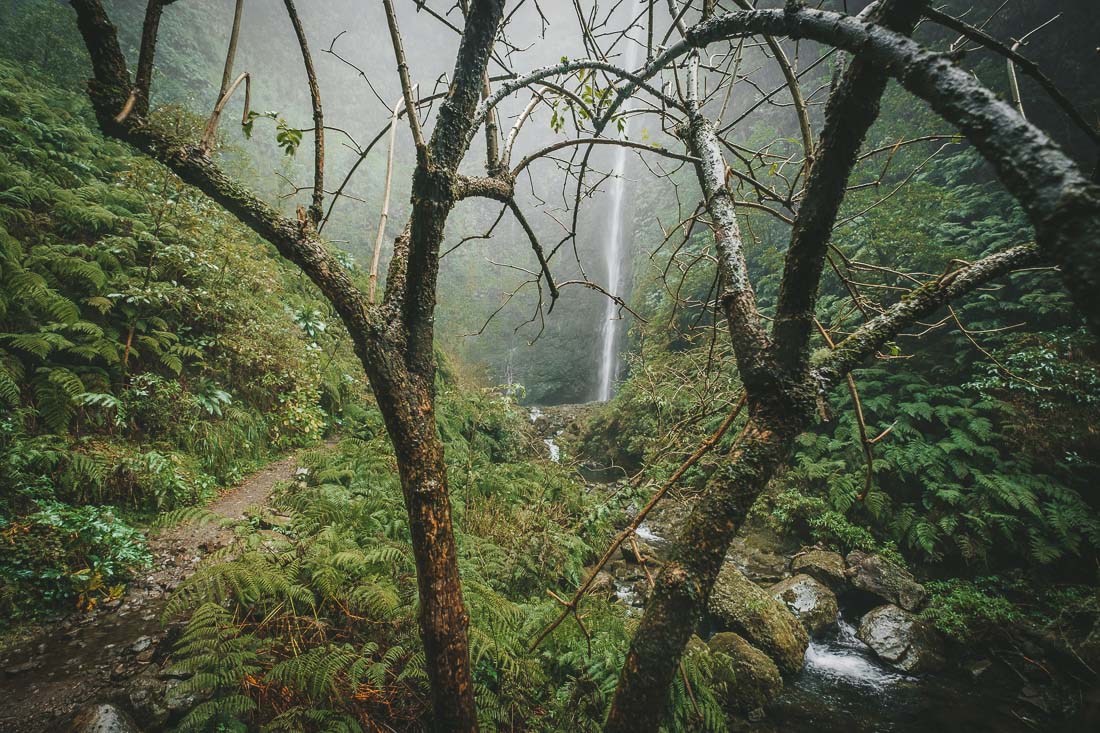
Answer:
(781, 381)
(394, 337)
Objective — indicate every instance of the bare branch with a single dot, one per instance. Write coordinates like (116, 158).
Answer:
(315, 209)
(403, 74)
(384, 216)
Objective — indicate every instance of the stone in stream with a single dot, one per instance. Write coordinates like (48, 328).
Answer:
(603, 584)
(146, 694)
(737, 604)
(823, 566)
(902, 640)
(756, 679)
(102, 718)
(875, 575)
(810, 601)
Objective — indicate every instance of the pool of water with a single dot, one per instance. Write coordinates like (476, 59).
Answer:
(843, 687)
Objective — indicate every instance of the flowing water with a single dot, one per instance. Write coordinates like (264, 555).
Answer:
(551, 441)
(613, 249)
(844, 687)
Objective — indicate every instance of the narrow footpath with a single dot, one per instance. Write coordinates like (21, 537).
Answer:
(117, 652)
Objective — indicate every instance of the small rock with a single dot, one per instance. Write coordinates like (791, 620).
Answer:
(823, 566)
(146, 695)
(978, 668)
(102, 719)
(142, 643)
(901, 639)
(810, 601)
(875, 575)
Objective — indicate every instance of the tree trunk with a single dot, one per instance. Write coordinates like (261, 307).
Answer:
(410, 420)
(775, 375)
(684, 583)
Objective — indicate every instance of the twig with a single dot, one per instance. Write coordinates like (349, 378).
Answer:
(628, 532)
(385, 204)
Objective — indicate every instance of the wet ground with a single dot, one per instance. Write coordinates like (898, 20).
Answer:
(116, 652)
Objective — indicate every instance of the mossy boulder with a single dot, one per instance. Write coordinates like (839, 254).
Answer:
(760, 554)
(739, 605)
(824, 566)
(878, 576)
(810, 601)
(756, 679)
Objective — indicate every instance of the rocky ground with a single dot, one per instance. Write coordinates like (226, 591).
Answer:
(820, 640)
(106, 670)
(773, 599)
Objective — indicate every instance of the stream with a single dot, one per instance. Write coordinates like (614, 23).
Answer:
(550, 441)
(844, 687)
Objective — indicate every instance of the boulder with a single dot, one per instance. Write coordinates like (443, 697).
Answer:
(902, 640)
(875, 575)
(102, 718)
(737, 604)
(756, 679)
(759, 554)
(823, 566)
(810, 601)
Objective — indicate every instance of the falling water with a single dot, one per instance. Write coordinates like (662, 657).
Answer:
(613, 250)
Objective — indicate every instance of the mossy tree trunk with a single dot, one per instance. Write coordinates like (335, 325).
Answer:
(780, 381)
(393, 340)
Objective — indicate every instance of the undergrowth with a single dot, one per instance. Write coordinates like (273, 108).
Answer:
(150, 352)
(313, 627)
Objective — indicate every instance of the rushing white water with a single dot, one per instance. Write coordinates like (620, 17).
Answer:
(848, 660)
(613, 249)
(554, 448)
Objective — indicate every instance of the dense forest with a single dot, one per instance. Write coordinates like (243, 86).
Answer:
(707, 365)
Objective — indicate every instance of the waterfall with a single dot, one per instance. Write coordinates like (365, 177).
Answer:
(613, 249)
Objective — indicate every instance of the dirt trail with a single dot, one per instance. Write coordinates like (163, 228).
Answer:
(117, 652)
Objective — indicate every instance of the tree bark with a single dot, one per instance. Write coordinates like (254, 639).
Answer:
(1063, 206)
(394, 340)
